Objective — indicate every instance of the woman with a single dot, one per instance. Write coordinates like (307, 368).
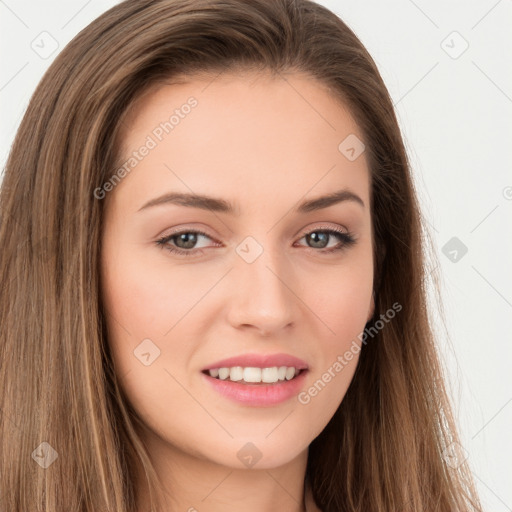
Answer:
(213, 275)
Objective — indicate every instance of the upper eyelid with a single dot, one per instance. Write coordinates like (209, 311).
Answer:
(340, 230)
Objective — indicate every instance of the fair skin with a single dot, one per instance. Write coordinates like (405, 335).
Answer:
(264, 144)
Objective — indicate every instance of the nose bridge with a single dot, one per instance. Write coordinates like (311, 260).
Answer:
(263, 297)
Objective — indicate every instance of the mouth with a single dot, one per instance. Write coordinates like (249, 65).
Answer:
(257, 380)
(251, 375)
(256, 387)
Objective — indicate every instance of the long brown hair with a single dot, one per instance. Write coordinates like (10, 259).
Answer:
(381, 451)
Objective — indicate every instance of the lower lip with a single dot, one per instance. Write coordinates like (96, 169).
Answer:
(258, 395)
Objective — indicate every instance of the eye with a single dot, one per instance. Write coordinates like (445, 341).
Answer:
(320, 238)
(184, 243)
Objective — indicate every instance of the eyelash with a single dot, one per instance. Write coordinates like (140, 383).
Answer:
(347, 240)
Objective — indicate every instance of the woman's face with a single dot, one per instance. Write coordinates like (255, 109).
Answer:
(258, 283)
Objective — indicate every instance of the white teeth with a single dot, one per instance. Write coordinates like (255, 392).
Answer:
(236, 373)
(252, 374)
(269, 374)
(223, 373)
(281, 373)
(290, 373)
(255, 375)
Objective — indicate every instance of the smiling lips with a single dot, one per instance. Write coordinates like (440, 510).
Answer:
(257, 380)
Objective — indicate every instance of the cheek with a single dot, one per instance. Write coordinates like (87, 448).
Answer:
(148, 302)
(341, 304)
(333, 371)
(141, 309)
(342, 308)
(340, 300)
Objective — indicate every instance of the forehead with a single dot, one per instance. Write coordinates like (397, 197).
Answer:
(265, 136)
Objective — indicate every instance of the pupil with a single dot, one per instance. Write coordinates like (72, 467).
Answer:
(189, 239)
(315, 236)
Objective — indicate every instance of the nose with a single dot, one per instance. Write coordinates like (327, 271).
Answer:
(263, 298)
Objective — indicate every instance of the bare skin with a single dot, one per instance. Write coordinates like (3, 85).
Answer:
(265, 144)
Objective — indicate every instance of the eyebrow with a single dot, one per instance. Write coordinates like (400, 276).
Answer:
(220, 205)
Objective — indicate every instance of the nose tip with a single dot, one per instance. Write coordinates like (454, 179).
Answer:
(262, 298)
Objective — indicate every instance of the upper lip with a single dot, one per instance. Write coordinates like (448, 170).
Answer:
(259, 361)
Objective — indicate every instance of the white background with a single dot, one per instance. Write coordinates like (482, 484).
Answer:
(454, 108)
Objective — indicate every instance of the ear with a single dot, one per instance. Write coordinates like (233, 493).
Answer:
(371, 308)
